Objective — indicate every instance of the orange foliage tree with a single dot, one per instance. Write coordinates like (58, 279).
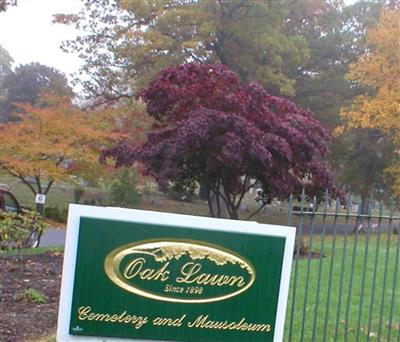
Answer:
(379, 69)
(55, 142)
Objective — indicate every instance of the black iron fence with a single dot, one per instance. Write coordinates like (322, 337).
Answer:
(345, 276)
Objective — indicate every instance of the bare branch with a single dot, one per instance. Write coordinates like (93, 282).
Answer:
(22, 178)
(257, 211)
(48, 186)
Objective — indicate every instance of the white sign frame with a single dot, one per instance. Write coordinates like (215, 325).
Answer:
(186, 221)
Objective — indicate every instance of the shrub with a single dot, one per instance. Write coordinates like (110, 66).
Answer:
(78, 193)
(182, 194)
(123, 189)
(12, 230)
(15, 229)
(56, 214)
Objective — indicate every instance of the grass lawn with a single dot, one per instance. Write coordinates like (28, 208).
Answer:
(34, 251)
(59, 195)
(370, 294)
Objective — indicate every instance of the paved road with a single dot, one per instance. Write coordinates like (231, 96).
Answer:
(53, 237)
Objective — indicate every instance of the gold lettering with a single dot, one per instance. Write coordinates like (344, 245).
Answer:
(138, 322)
(114, 318)
(204, 267)
(204, 279)
(146, 274)
(84, 313)
(190, 275)
(202, 322)
(162, 274)
(177, 322)
(135, 268)
(208, 324)
(240, 324)
(259, 327)
(193, 269)
(122, 317)
(174, 289)
(91, 317)
(101, 317)
(198, 322)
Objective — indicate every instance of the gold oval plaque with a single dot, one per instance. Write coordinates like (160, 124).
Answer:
(180, 271)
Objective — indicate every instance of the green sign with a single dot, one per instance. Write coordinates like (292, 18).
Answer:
(137, 275)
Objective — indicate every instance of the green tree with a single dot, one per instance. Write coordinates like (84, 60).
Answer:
(5, 69)
(129, 42)
(336, 36)
(27, 83)
(123, 188)
(362, 157)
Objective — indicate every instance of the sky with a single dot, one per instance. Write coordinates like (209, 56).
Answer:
(28, 34)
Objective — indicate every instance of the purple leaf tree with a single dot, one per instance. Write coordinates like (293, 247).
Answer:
(212, 130)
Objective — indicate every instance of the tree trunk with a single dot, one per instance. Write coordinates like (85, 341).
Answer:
(364, 209)
(203, 192)
(364, 203)
(218, 206)
(40, 208)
